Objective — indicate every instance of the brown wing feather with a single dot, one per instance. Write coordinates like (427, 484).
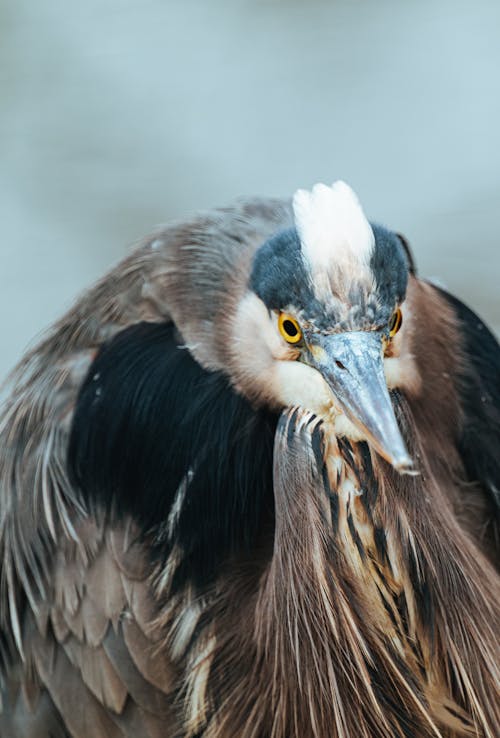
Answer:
(75, 600)
(95, 663)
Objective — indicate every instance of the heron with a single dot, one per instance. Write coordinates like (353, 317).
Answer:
(250, 488)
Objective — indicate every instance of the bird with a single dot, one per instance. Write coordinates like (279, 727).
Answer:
(250, 488)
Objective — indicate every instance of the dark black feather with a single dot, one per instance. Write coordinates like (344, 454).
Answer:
(412, 267)
(389, 266)
(479, 391)
(148, 413)
(279, 276)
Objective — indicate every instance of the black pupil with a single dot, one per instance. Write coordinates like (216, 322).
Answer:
(290, 328)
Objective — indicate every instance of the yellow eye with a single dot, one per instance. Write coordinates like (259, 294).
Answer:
(395, 322)
(289, 328)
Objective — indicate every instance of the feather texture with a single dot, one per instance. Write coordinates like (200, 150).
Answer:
(176, 561)
(332, 226)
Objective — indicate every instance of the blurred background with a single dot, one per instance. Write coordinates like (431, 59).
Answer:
(117, 115)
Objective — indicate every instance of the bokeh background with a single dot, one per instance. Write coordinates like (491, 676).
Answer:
(117, 115)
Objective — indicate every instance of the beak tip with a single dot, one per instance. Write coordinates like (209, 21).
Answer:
(402, 463)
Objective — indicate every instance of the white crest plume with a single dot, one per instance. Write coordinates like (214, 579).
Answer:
(332, 226)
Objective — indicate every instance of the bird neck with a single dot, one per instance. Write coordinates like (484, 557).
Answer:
(330, 565)
(371, 542)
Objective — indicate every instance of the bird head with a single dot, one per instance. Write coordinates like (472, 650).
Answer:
(321, 318)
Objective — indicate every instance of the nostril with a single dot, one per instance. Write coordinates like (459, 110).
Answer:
(339, 364)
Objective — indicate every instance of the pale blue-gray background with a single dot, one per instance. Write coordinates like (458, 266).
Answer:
(116, 115)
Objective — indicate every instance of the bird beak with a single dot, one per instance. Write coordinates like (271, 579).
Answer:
(352, 366)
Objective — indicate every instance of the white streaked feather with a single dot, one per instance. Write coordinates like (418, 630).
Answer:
(332, 226)
(183, 628)
(176, 509)
(197, 683)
